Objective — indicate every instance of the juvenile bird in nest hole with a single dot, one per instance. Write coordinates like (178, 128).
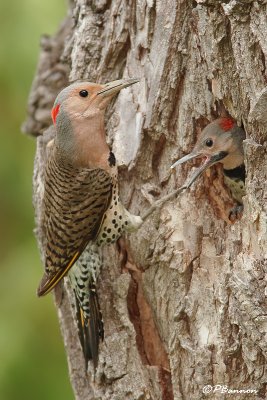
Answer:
(221, 141)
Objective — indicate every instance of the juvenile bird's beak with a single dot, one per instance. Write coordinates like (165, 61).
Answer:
(188, 157)
(114, 87)
(209, 161)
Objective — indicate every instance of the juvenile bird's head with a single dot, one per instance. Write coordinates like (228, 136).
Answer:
(220, 141)
(78, 116)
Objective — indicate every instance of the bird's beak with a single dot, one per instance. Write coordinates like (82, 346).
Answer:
(188, 157)
(209, 161)
(114, 87)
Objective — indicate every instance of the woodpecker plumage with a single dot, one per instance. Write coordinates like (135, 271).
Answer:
(81, 206)
(222, 141)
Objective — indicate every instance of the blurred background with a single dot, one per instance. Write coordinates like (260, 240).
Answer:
(32, 359)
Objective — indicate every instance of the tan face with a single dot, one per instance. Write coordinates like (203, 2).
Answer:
(220, 141)
(78, 115)
(213, 142)
(84, 101)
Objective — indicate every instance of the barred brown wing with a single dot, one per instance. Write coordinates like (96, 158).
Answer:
(75, 201)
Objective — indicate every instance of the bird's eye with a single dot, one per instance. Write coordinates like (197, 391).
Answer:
(209, 142)
(83, 93)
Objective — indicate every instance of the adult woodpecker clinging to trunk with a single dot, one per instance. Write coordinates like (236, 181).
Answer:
(81, 209)
(221, 141)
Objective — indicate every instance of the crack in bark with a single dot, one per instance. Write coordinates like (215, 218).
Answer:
(148, 341)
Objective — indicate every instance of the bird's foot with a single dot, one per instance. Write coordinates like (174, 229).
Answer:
(236, 213)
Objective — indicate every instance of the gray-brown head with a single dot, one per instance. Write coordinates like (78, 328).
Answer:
(220, 141)
(78, 116)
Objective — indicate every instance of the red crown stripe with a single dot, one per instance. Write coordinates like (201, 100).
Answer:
(54, 113)
(226, 124)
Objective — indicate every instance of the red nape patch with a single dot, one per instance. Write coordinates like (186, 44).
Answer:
(54, 112)
(226, 123)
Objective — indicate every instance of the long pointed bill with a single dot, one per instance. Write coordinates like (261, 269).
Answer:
(189, 156)
(209, 161)
(114, 87)
(199, 171)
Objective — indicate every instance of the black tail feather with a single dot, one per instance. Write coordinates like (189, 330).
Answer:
(91, 329)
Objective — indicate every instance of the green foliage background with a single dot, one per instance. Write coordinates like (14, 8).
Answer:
(32, 359)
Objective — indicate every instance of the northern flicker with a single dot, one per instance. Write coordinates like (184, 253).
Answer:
(81, 205)
(221, 141)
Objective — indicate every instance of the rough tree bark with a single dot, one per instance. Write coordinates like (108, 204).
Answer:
(187, 306)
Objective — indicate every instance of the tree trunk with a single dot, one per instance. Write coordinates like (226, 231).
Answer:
(186, 307)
